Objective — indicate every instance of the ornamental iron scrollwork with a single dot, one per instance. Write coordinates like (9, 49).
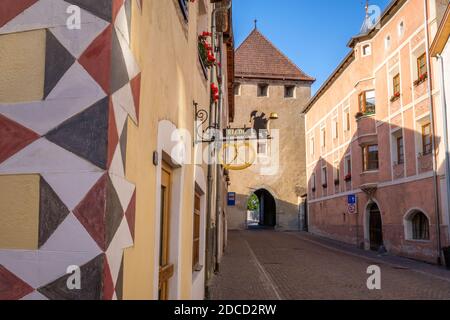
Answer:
(203, 135)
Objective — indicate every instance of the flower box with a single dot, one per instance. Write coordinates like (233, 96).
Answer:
(336, 182)
(348, 177)
(325, 185)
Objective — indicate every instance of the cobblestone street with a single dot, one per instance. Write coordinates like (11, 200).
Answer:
(261, 264)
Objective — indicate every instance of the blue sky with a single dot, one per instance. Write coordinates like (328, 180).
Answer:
(312, 33)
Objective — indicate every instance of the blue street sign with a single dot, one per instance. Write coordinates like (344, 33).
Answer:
(231, 199)
(351, 199)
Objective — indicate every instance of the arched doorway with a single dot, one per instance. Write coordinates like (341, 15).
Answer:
(375, 227)
(267, 208)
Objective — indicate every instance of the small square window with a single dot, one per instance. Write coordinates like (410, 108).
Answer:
(237, 89)
(367, 50)
(263, 90)
(289, 91)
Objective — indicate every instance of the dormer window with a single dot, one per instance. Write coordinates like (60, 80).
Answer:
(263, 90)
(366, 50)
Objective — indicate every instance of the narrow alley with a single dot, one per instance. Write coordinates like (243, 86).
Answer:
(267, 265)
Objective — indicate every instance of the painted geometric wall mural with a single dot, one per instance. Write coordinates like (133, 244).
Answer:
(63, 150)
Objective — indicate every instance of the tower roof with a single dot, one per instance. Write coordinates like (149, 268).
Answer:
(258, 58)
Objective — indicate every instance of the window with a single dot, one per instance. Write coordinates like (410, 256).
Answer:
(367, 102)
(420, 226)
(348, 167)
(323, 137)
(184, 5)
(313, 182)
(347, 120)
(324, 177)
(401, 29)
(400, 150)
(367, 50)
(387, 42)
(396, 84)
(263, 90)
(370, 157)
(289, 91)
(311, 146)
(237, 89)
(335, 128)
(426, 139)
(421, 66)
(262, 148)
(337, 173)
(196, 242)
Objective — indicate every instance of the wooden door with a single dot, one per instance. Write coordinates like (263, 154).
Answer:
(166, 270)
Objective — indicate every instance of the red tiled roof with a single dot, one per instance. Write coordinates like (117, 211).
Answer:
(258, 58)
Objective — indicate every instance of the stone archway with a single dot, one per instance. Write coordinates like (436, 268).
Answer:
(267, 208)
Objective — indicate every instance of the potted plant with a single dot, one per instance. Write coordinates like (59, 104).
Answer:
(348, 177)
(336, 182)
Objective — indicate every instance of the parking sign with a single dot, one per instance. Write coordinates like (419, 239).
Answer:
(352, 206)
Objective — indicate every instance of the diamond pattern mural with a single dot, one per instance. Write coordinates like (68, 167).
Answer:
(75, 141)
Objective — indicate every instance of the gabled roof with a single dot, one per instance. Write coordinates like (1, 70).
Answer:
(258, 58)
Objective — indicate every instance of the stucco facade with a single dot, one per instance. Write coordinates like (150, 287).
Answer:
(387, 156)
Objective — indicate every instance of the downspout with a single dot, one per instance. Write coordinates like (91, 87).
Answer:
(212, 115)
(208, 244)
(435, 176)
(445, 128)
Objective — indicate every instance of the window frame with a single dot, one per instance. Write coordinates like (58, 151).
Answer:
(367, 162)
(324, 175)
(362, 101)
(237, 86)
(289, 87)
(366, 50)
(422, 59)
(420, 227)
(196, 232)
(347, 124)
(323, 137)
(259, 90)
(335, 128)
(396, 87)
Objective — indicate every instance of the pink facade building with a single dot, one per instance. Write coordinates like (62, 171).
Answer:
(371, 132)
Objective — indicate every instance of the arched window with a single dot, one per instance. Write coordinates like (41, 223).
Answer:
(420, 226)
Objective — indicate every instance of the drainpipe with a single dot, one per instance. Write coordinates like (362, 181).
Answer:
(218, 167)
(210, 187)
(435, 176)
(445, 127)
(218, 143)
